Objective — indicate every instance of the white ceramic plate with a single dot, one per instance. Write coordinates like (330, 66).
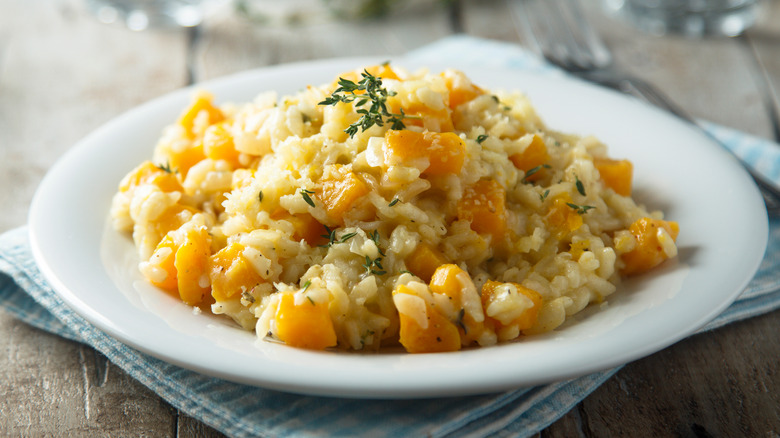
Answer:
(722, 240)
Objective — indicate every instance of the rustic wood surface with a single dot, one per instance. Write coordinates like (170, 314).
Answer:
(63, 74)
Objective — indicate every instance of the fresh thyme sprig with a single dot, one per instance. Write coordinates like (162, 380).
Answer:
(370, 264)
(332, 239)
(376, 94)
(331, 236)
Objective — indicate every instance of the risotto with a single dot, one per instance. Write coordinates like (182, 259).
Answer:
(386, 208)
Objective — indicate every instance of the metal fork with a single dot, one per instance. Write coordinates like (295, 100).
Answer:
(560, 33)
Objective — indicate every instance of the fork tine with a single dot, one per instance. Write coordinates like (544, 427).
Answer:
(557, 30)
(590, 41)
(520, 14)
(542, 30)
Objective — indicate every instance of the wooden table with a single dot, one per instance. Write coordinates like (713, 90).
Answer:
(63, 74)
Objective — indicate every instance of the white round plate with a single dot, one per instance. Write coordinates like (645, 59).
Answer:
(723, 235)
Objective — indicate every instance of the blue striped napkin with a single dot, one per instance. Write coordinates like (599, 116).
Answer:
(246, 411)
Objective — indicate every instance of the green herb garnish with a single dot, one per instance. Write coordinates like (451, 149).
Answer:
(579, 185)
(331, 236)
(260, 196)
(375, 237)
(166, 167)
(481, 138)
(393, 202)
(305, 193)
(459, 321)
(346, 237)
(370, 264)
(580, 209)
(306, 285)
(543, 196)
(376, 94)
(248, 296)
(533, 170)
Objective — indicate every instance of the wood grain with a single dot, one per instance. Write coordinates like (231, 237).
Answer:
(62, 74)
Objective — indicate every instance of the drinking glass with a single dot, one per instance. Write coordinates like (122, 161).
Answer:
(688, 17)
(143, 14)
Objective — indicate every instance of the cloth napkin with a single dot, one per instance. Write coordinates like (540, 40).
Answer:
(246, 411)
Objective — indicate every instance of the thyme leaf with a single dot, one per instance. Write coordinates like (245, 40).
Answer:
(305, 194)
(375, 237)
(459, 321)
(346, 237)
(533, 170)
(166, 167)
(580, 209)
(481, 138)
(370, 264)
(579, 185)
(331, 236)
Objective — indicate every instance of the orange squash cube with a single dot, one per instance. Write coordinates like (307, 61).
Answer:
(445, 281)
(461, 89)
(191, 265)
(616, 174)
(492, 291)
(165, 252)
(649, 251)
(201, 102)
(218, 144)
(446, 152)
(562, 217)
(534, 156)
(183, 160)
(341, 190)
(424, 260)
(306, 325)
(173, 218)
(484, 204)
(439, 335)
(150, 173)
(230, 273)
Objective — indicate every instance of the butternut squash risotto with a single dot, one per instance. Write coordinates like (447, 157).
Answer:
(386, 208)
